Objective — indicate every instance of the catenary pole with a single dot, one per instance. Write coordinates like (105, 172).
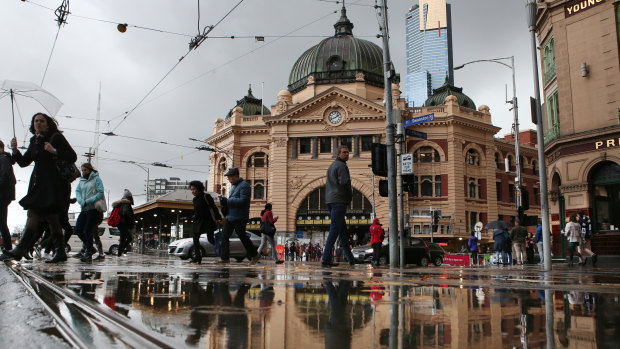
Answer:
(542, 171)
(389, 139)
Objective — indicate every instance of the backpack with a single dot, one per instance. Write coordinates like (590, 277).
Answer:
(115, 217)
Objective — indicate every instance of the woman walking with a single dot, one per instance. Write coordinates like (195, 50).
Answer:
(472, 243)
(268, 221)
(206, 217)
(48, 192)
(89, 190)
(573, 234)
(127, 220)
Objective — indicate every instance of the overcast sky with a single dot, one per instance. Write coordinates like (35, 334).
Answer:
(206, 84)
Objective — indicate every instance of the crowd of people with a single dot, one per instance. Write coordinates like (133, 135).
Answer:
(297, 251)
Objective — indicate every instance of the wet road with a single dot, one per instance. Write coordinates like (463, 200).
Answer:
(296, 305)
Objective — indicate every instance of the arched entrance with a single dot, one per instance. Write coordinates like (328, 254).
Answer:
(312, 218)
(605, 179)
(556, 195)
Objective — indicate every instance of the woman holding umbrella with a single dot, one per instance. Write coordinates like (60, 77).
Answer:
(48, 192)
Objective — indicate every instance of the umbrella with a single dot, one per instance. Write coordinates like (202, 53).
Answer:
(29, 90)
(497, 225)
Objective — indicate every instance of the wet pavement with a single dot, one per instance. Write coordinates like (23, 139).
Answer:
(143, 301)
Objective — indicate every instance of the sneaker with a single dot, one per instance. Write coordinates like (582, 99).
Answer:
(78, 255)
(223, 261)
(255, 259)
(99, 257)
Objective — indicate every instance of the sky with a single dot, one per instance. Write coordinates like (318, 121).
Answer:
(147, 93)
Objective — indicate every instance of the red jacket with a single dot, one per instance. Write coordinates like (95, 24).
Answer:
(376, 233)
(268, 215)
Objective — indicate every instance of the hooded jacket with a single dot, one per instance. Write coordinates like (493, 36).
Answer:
(89, 190)
(376, 232)
(7, 178)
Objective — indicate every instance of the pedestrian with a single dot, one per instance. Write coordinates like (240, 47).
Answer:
(529, 247)
(88, 191)
(206, 218)
(268, 220)
(127, 222)
(518, 235)
(499, 237)
(538, 240)
(472, 243)
(48, 192)
(376, 240)
(573, 234)
(7, 194)
(238, 204)
(586, 233)
(338, 195)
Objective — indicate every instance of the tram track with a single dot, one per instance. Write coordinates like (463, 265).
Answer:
(84, 323)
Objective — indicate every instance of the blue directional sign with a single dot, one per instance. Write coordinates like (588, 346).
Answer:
(419, 120)
(414, 133)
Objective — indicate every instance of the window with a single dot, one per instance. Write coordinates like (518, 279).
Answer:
(259, 189)
(416, 229)
(305, 145)
(426, 229)
(511, 192)
(325, 145)
(427, 185)
(553, 117)
(498, 189)
(437, 186)
(472, 188)
(415, 186)
(472, 157)
(348, 142)
(258, 159)
(366, 143)
(549, 60)
(426, 154)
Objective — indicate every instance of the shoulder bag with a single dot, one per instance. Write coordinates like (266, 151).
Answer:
(101, 205)
(267, 228)
(68, 171)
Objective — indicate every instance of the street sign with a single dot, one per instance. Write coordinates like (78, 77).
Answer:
(419, 120)
(406, 164)
(414, 133)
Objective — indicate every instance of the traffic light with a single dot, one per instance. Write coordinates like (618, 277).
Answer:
(383, 188)
(378, 155)
(407, 183)
(435, 220)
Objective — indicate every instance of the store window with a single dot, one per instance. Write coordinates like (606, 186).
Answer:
(606, 182)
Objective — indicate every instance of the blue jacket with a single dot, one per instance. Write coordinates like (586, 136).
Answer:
(239, 201)
(473, 243)
(500, 237)
(89, 191)
(538, 237)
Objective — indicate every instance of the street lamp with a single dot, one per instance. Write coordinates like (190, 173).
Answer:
(146, 169)
(515, 111)
(544, 203)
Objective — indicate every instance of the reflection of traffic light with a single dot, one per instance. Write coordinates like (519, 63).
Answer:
(383, 188)
(378, 158)
(435, 220)
(407, 183)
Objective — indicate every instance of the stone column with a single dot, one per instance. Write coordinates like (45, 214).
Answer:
(334, 146)
(356, 146)
(315, 147)
(294, 148)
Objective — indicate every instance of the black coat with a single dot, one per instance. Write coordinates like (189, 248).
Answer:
(203, 221)
(7, 178)
(47, 193)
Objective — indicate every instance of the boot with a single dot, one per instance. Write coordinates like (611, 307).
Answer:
(60, 255)
(87, 257)
(100, 250)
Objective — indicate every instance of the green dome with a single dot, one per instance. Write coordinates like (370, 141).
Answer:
(250, 105)
(338, 59)
(440, 94)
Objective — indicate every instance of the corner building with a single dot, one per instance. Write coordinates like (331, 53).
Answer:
(335, 97)
(581, 84)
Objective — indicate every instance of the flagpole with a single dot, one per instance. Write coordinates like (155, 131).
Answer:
(13, 112)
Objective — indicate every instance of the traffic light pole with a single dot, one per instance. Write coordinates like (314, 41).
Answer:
(403, 145)
(389, 139)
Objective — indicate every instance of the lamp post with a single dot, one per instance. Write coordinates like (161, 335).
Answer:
(515, 111)
(544, 203)
(146, 169)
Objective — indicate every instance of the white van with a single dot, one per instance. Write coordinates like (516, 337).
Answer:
(110, 238)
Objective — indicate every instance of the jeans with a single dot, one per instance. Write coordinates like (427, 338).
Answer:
(4, 228)
(520, 254)
(32, 232)
(474, 256)
(376, 250)
(239, 228)
(125, 239)
(86, 227)
(263, 241)
(337, 228)
(539, 246)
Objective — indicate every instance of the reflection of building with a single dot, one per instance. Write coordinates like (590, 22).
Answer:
(429, 49)
(335, 98)
(581, 79)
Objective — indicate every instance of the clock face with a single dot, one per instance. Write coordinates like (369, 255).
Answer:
(335, 117)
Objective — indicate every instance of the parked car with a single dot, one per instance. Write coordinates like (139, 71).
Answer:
(184, 248)
(417, 251)
(109, 236)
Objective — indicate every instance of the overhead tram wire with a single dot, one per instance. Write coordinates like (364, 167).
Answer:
(61, 17)
(152, 164)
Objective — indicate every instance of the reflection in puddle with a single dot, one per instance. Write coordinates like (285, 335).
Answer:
(240, 308)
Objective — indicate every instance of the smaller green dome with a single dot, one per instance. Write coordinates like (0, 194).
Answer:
(440, 94)
(250, 105)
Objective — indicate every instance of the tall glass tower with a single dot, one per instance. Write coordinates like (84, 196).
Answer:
(429, 49)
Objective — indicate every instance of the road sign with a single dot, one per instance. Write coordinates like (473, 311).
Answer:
(406, 164)
(414, 133)
(419, 120)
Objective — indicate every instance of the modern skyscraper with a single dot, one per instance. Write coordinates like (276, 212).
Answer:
(429, 49)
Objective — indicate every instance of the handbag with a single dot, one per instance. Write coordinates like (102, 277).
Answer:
(67, 170)
(101, 205)
(267, 228)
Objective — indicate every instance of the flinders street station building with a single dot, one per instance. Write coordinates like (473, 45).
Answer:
(335, 97)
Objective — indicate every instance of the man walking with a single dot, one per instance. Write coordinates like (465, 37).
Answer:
(376, 239)
(238, 204)
(7, 194)
(338, 195)
(518, 236)
(586, 233)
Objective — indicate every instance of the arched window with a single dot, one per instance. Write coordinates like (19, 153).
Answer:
(426, 154)
(259, 192)
(473, 157)
(426, 185)
(258, 159)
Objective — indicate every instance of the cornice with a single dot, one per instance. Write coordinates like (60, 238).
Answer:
(584, 136)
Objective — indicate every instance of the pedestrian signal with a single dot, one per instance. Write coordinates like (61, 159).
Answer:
(407, 183)
(379, 159)
(383, 188)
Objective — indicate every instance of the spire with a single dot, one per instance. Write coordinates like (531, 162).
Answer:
(343, 26)
(250, 91)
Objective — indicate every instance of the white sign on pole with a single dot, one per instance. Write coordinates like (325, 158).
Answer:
(406, 164)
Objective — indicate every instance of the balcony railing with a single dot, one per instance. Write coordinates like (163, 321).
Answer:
(552, 133)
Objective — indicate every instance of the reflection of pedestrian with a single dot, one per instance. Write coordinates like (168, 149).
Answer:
(338, 193)
(338, 331)
(7, 194)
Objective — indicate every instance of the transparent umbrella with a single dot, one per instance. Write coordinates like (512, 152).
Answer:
(30, 90)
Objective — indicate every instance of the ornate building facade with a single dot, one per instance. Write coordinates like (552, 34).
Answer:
(335, 97)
